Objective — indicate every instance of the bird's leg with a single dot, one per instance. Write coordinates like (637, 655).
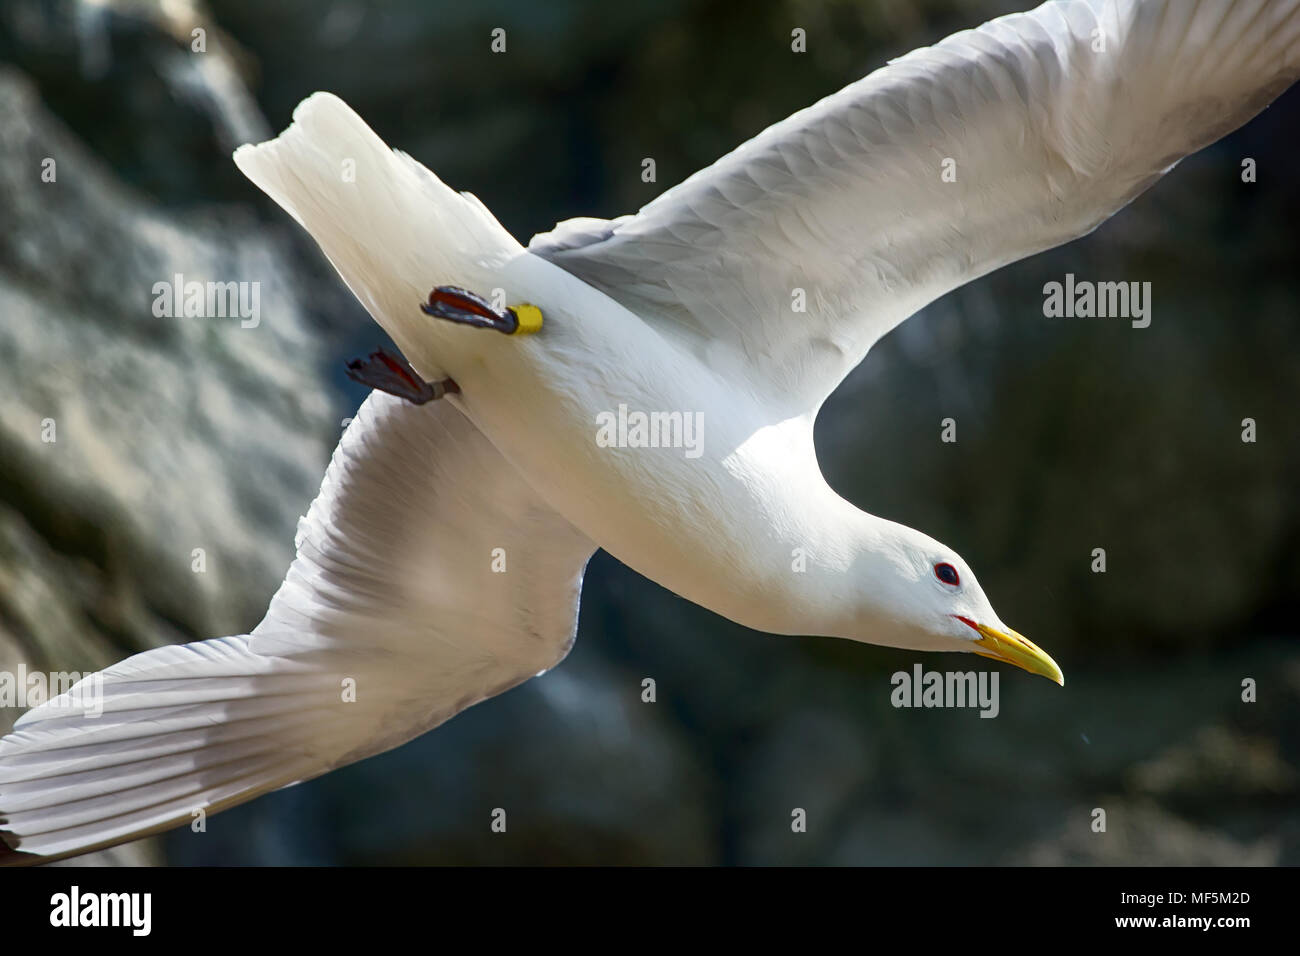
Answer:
(391, 373)
(459, 305)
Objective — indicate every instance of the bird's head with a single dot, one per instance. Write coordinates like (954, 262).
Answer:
(924, 596)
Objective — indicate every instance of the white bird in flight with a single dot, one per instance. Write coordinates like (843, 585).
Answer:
(396, 613)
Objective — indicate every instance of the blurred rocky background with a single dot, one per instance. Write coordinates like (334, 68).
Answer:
(152, 469)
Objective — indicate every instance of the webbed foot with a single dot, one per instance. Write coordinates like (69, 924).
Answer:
(392, 374)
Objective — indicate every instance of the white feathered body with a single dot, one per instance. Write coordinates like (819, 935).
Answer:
(719, 529)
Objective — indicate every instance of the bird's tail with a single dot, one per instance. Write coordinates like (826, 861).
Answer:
(392, 229)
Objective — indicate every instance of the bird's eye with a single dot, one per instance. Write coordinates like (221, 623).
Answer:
(947, 574)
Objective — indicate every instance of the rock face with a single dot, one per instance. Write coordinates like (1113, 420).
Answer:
(152, 467)
(111, 408)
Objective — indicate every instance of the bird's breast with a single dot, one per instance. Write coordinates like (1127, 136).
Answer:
(678, 472)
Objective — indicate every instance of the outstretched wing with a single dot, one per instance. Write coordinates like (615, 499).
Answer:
(429, 577)
(944, 165)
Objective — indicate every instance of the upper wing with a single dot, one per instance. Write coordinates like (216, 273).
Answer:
(397, 613)
(1045, 122)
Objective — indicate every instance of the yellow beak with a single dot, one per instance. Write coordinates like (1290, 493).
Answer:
(1014, 648)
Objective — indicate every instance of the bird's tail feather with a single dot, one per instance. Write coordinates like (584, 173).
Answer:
(392, 229)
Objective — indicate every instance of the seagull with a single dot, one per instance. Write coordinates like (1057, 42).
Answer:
(442, 561)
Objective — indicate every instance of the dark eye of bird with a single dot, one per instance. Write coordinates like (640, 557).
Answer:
(947, 574)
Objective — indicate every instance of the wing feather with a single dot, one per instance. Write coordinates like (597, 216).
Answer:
(1053, 120)
(392, 619)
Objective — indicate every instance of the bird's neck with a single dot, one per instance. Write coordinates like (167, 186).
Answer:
(814, 563)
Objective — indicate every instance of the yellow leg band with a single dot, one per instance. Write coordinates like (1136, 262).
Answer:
(530, 319)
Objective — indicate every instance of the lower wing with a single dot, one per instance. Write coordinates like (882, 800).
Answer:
(428, 577)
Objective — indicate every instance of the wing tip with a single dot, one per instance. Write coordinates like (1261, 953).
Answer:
(10, 855)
